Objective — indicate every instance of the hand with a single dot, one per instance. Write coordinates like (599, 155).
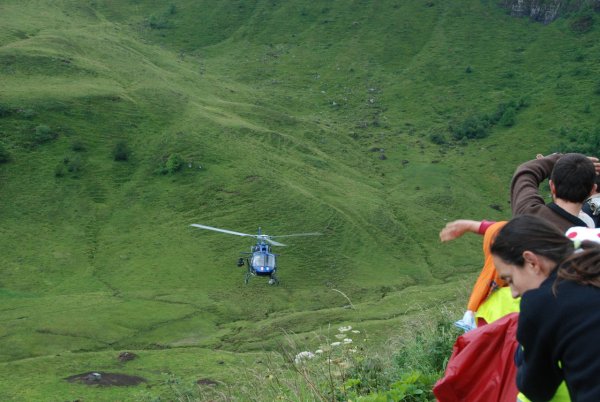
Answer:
(455, 229)
(596, 163)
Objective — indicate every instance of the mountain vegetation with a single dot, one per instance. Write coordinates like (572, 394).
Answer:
(372, 122)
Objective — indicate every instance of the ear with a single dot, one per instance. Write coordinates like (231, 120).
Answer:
(552, 187)
(533, 261)
(594, 189)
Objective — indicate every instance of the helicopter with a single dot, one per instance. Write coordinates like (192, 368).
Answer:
(260, 261)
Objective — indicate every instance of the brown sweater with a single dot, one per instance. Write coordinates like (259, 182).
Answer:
(526, 199)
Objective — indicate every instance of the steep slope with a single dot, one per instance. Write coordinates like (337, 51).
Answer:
(293, 116)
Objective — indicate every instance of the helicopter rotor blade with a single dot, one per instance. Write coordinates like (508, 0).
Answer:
(221, 230)
(273, 242)
(299, 234)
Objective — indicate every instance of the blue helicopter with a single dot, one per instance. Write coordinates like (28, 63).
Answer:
(260, 261)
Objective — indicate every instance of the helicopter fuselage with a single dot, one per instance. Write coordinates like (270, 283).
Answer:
(263, 262)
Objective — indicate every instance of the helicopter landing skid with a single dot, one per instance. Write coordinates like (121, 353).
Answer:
(273, 280)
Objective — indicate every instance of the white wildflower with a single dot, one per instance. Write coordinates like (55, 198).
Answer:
(305, 355)
(340, 336)
(345, 329)
(336, 343)
(319, 351)
(355, 331)
(347, 341)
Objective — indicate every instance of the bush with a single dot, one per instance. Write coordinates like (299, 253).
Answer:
(508, 117)
(27, 113)
(78, 146)
(72, 165)
(174, 163)
(121, 151)
(5, 111)
(41, 135)
(582, 23)
(581, 141)
(438, 138)
(159, 22)
(473, 127)
(60, 170)
(4, 154)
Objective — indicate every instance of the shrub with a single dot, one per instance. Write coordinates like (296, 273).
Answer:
(174, 163)
(581, 141)
(5, 111)
(72, 165)
(4, 154)
(42, 134)
(159, 22)
(59, 171)
(27, 113)
(587, 108)
(121, 151)
(582, 23)
(472, 128)
(78, 146)
(508, 117)
(438, 138)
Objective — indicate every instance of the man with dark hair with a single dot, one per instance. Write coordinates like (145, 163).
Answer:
(571, 182)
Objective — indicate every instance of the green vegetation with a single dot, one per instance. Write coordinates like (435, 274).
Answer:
(122, 122)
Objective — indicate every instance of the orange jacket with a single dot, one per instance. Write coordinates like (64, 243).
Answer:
(488, 279)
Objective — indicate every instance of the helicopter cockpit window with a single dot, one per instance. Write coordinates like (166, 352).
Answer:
(263, 260)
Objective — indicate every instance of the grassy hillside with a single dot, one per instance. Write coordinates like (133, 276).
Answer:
(122, 122)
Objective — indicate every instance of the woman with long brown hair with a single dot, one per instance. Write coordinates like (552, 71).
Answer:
(559, 323)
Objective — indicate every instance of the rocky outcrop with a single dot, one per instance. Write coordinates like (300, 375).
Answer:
(546, 11)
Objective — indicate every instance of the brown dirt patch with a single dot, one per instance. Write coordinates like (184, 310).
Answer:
(207, 381)
(104, 379)
(127, 356)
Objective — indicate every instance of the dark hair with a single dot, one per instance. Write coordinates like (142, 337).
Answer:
(582, 267)
(531, 233)
(573, 176)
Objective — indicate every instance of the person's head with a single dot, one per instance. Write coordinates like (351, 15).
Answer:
(526, 250)
(573, 178)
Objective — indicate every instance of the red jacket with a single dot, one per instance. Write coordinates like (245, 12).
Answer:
(482, 366)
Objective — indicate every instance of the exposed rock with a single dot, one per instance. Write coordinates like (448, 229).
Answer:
(546, 11)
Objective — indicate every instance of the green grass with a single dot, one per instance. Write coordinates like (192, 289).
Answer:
(283, 110)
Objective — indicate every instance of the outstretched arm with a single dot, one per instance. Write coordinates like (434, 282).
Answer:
(455, 229)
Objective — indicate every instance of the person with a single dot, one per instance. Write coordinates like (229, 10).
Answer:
(559, 323)
(489, 299)
(571, 182)
(591, 206)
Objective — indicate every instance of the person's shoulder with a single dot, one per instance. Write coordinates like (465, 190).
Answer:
(571, 290)
(539, 297)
